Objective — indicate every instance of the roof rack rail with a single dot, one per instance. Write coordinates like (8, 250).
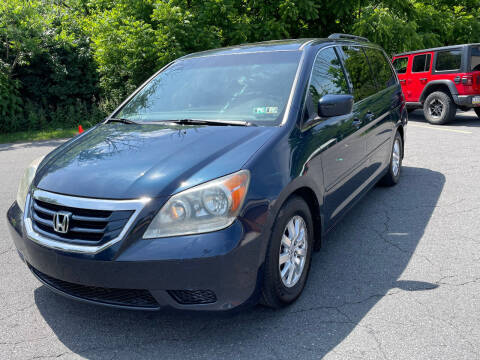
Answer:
(348, 37)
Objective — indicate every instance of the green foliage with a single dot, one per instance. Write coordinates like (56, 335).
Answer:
(68, 62)
(420, 25)
(124, 49)
(48, 77)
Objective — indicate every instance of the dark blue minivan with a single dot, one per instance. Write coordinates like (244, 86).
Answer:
(212, 184)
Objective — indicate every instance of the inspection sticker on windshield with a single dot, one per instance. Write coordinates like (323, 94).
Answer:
(266, 110)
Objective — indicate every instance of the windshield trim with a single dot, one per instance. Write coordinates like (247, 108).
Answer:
(286, 113)
(293, 89)
(188, 57)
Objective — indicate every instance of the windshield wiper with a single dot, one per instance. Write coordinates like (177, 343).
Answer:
(121, 120)
(211, 122)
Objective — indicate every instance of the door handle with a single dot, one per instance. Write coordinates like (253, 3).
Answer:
(402, 81)
(423, 79)
(357, 122)
(369, 116)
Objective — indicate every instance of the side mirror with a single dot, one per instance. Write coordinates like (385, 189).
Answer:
(335, 105)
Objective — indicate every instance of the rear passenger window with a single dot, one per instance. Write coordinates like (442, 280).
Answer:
(359, 71)
(475, 58)
(327, 78)
(381, 67)
(400, 65)
(448, 60)
(421, 63)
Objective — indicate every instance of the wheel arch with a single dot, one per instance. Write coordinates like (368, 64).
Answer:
(446, 86)
(314, 200)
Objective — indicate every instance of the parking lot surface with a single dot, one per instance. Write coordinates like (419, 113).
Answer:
(399, 278)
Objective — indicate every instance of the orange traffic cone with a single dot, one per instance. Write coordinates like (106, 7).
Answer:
(80, 129)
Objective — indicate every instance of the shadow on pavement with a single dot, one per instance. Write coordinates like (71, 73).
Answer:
(361, 262)
(462, 118)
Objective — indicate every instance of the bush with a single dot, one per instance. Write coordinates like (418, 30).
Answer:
(68, 62)
(48, 77)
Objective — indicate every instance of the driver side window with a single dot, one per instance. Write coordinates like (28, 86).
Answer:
(327, 78)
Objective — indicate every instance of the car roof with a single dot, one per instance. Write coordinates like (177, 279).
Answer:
(272, 46)
(435, 49)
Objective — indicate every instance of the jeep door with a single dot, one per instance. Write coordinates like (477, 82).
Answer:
(419, 76)
(400, 65)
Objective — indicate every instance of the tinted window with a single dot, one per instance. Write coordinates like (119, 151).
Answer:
(359, 71)
(327, 76)
(421, 63)
(475, 58)
(381, 66)
(400, 65)
(448, 60)
(253, 87)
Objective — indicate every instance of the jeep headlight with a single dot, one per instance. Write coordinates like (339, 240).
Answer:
(24, 186)
(208, 207)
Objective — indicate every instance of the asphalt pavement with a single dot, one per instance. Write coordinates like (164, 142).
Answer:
(399, 278)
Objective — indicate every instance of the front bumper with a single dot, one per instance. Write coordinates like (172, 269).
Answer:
(227, 263)
(465, 100)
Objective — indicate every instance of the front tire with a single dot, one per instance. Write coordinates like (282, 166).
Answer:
(392, 177)
(289, 253)
(439, 108)
(477, 111)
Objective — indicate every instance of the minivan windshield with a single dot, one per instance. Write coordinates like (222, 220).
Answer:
(252, 87)
(475, 58)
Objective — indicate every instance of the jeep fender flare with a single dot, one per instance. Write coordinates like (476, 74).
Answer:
(449, 83)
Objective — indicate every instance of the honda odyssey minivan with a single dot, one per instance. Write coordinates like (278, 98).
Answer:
(213, 183)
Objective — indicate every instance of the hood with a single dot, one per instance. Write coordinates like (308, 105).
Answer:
(128, 161)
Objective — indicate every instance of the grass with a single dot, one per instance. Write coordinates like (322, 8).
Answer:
(37, 135)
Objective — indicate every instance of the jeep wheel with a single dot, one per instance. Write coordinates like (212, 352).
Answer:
(288, 255)
(439, 108)
(477, 111)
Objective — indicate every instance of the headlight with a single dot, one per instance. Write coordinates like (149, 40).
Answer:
(204, 208)
(26, 181)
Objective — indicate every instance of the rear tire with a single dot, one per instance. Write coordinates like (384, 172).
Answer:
(439, 108)
(279, 291)
(392, 177)
(477, 111)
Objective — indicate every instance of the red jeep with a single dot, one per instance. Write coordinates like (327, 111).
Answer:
(440, 80)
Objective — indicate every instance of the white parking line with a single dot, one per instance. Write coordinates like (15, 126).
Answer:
(439, 128)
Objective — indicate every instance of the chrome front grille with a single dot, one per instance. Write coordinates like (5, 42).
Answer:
(93, 224)
(85, 227)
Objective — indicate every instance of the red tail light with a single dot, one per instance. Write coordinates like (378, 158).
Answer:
(467, 80)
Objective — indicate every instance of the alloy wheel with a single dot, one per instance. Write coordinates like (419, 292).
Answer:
(293, 251)
(436, 108)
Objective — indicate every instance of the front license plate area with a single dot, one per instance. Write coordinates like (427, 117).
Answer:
(476, 100)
